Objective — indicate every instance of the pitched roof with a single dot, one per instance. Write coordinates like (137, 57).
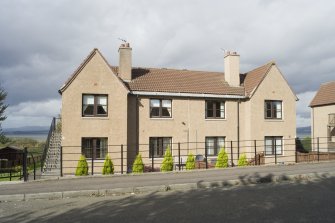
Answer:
(325, 95)
(180, 81)
(183, 81)
(253, 78)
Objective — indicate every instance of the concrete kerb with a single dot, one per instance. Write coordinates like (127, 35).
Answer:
(171, 187)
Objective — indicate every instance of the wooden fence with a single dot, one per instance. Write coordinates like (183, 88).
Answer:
(314, 156)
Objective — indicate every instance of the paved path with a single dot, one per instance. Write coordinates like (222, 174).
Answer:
(243, 175)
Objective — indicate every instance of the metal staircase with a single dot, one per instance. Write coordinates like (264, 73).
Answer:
(51, 156)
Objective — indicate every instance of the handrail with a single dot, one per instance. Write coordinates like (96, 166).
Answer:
(331, 119)
(47, 142)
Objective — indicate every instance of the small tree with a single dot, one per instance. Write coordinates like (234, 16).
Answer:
(138, 166)
(242, 161)
(190, 162)
(82, 167)
(222, 160)
(108, 166)
(167, 164)
(3, 106)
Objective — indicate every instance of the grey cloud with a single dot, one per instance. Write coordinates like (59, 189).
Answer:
(43, 42)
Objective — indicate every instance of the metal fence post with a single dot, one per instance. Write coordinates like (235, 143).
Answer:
(34, 164)
(179, 156)
(231, 153)
(206, 161)
(296, 152)
(152, 158)
(275, 152)
(121, 158)
(255, 147)
(24, 164)
(92, 163)
(318, 144)
(61, 161)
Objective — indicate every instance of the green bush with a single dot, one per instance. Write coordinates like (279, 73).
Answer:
(242, 161)
(82, 167)
(167, 164)
(222, 160)
(138, 166)
(108, 166)
(190, 162)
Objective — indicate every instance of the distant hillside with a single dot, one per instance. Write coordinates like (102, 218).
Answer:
(26, 130)
(303, 131)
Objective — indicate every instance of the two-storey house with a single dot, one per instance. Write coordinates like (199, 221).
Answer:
(147, 110)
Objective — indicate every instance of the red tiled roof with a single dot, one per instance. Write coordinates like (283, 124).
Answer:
(325, 95)
(184, 81)
(180, 81)
(255, 77)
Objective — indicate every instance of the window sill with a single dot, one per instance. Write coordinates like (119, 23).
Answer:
(273, 156)
(215, 119)
(274, 120)
(95, 160)
(95, 117)
(161, 119)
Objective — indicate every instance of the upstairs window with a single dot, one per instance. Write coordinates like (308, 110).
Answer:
(94, 148)
(94, 105)
(215, 109)
(160, 108)
(273, 109)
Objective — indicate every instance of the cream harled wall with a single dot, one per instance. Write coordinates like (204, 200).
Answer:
(95, 78)
(256, 127)
(319, 119)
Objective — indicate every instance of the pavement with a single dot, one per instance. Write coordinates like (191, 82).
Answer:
(70, 186)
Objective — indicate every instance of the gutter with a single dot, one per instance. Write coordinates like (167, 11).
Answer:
(194, 95)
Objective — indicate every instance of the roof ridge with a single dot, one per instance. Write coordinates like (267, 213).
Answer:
(164, 68)
(329, 82)
(271, 62)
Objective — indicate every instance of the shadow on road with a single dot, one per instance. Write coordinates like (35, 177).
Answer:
(299, 201)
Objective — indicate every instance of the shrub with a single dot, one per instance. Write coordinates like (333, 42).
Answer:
(108, 166)
(82, 167)
(222, 160)
(190, 162)
(167, 164)
(242, 161)
(138, 166)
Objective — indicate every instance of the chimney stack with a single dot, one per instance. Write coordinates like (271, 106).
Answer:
(232, 68)
(125, 62)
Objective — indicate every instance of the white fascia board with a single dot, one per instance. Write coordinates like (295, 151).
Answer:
(194, 95)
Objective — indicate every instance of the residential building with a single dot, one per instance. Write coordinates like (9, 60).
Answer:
(147, 110)
(323, 118)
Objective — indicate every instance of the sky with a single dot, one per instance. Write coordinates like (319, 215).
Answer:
(43, 42)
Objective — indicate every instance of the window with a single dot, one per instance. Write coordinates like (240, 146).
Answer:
(215, 109)
(273, 109)
(160, 108)
(95, 148)
(158, 146)
(214, 144)
(273, 144)
(94, 105)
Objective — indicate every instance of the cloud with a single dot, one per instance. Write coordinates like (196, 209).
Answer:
(32, 113)
(44, 42)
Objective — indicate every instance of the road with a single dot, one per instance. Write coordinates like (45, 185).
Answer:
(124, 181)
(271, 202)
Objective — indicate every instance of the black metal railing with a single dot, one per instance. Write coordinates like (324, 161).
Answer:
(331, 120)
